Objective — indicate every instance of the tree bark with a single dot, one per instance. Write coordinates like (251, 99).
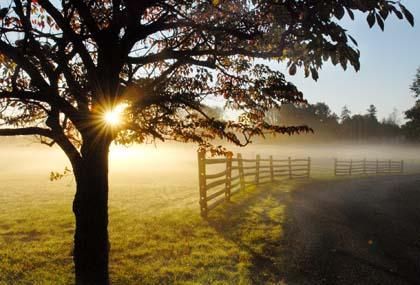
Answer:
(90, 207)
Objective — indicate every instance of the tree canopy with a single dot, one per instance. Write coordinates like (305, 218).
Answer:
(66, 63)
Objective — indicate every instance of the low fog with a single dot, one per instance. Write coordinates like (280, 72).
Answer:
(172, 164)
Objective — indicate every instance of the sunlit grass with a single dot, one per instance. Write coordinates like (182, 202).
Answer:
(157, 235)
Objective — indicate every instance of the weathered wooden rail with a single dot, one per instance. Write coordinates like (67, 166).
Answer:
(230, 175)
(367, 167)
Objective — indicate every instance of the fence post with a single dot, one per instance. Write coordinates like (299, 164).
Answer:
(202, 182)
(364, 166)
(335, 166)
(290, 168)
(351, 166)
(309, 167)
(377, 167)
(241, 171)
(271, 169)
(228, 175)
(389, 166)
(402, 166)
(257, 169)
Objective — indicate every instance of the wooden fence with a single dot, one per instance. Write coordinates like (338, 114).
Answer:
(232, 175)
(367, 167)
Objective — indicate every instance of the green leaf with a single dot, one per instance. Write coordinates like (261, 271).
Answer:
(371, 19)
(380, 22)
(407, 15)
(397, 13)
(353, 40)
(334, 59)
(339, 12)
(356, 66)
(306, 72)
(292, 69)
(384, 12)
(343, 62)
(315, 75)
(351, 55)
(350, 12)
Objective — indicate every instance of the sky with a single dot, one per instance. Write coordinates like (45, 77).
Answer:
(389, 61)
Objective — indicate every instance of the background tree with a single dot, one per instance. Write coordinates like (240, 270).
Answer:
(345, 123)
(370, 123)
(390, 127)
(328, 127)
(345, 114)
(71, 67)
(415, 86)
(412, 126)
(371, 112)
(392, 118)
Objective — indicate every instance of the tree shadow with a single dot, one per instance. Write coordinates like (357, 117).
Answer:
(257, 221)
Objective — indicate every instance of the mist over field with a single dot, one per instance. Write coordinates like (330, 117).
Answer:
(171, 164)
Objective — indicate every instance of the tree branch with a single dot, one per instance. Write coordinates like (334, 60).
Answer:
(23, 95)
(15, 54)
(30, 41)
(71, 152)
(73, 37)
(180, 54)
(87, 18)
(52, 100)
(27, 132)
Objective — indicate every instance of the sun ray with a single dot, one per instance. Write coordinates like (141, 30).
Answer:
(114, 117)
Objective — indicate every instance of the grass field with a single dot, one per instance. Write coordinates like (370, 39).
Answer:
(157, 235)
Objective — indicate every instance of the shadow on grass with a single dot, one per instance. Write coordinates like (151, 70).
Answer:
(258, 222)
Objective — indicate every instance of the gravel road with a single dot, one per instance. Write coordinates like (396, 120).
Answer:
(356, 231)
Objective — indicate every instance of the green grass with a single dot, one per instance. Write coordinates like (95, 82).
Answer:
(157, 235)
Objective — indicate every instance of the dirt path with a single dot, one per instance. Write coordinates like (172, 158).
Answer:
(360, 231)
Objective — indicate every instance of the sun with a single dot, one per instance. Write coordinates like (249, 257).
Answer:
(114, 117)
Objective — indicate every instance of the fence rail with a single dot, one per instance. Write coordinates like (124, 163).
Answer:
(236, 173)
(367, 167)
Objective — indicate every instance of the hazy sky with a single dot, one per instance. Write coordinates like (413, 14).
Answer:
(388, 64)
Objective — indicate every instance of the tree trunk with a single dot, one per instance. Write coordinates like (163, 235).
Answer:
(90, 207)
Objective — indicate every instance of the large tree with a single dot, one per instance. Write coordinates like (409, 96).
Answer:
(67, 64)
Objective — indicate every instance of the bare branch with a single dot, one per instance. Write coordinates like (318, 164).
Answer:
(26, 132)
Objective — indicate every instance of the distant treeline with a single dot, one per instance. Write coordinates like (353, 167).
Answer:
(329, 126)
